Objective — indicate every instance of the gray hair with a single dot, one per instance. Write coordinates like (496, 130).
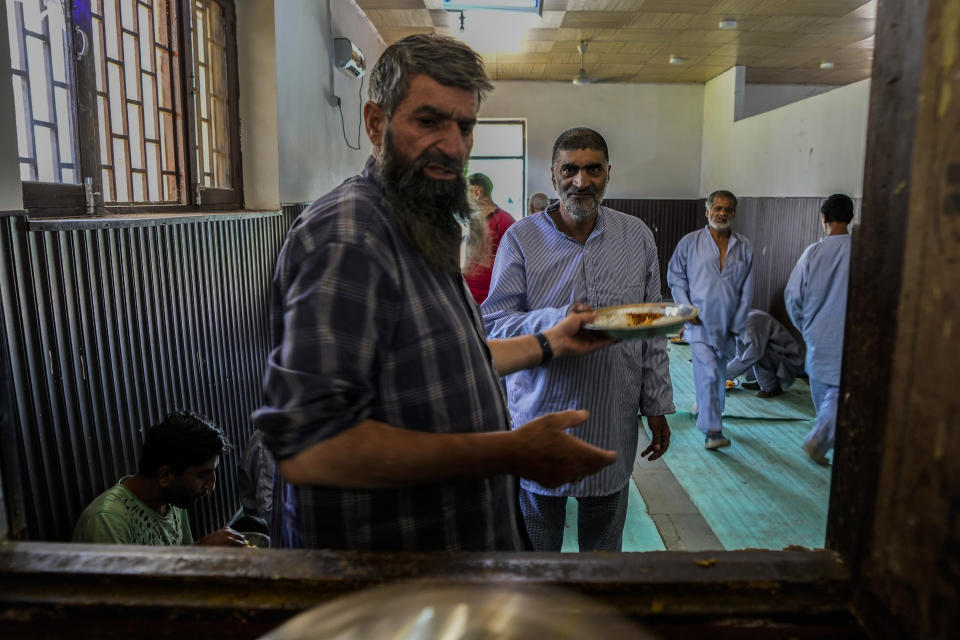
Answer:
(478, 252)
(446, 60)
(539, 202)
(720, 193)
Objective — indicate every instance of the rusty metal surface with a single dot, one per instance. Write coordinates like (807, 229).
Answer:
(54, 583)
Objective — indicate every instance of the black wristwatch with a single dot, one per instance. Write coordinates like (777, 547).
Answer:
(545, 348)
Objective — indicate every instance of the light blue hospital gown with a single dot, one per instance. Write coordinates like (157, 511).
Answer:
(770, 350)
(724, 299)
(816, 298)
(538, 273)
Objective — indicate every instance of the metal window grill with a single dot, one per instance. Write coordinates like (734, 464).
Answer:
(137, 57)
(209, 41)
(43, 89)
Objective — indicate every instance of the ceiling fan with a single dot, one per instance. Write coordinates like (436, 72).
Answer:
(582, 78)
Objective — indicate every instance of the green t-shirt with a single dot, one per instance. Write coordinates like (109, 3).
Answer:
(118, 516)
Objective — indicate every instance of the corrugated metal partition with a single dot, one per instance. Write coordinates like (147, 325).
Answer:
(110, 325)
(669, 220)
(779, 229)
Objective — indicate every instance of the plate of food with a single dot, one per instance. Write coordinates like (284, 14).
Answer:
(733, 384)
(637, 321)
(677, 340)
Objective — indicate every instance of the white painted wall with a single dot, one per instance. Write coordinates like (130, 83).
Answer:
(653, 131)
(313, 156)
(810, 148)
(760, 98)
(257, 70)
(11, 193)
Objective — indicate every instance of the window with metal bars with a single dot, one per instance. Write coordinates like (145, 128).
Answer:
(500, 152)
(125, 105)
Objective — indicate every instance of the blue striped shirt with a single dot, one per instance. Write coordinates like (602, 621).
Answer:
(538, 273)
(363, 328)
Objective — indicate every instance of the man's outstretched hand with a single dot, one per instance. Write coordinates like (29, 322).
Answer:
(550, 457)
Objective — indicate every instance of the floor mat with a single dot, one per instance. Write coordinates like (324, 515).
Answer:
(761, 492)
(794, 404)
(639, 531)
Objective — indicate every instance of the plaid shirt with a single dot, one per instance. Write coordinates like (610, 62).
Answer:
(363, 329)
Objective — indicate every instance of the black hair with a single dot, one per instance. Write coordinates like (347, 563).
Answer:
(483, 181)
(838, 208)
(580, 138)
(184, 439)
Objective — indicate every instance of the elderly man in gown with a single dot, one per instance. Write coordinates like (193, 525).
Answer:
(713, 269)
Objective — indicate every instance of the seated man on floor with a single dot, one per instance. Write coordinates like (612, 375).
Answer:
(772, 353)
(178, 464)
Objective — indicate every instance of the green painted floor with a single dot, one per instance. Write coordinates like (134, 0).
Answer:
(639, 531)
(794, 404)
(763, 491)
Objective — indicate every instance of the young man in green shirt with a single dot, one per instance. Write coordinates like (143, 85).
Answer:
(178, 464)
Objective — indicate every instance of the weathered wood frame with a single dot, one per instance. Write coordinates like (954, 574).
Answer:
(160, 592)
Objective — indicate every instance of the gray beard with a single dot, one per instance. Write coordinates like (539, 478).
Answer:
(581, 211)
(428, 211)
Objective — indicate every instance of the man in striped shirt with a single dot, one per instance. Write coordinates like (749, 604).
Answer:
(381, 397)
(578, 255)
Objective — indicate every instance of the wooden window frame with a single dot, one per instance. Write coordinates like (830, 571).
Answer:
(49, 200)
(523, 129)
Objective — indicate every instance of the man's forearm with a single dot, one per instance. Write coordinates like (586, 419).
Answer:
(513, 354)
(375, 455)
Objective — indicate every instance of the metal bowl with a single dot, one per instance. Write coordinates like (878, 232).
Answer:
(430, 611)
(256, 539)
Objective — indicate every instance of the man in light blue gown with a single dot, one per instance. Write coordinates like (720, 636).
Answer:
(768, 350)
(816, 297)
(712, 269)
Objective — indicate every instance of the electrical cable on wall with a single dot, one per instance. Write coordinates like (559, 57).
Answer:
(343, 125)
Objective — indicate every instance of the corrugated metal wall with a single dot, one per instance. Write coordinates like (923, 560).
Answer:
(669, 220)
(779, 229)
(109, 326)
